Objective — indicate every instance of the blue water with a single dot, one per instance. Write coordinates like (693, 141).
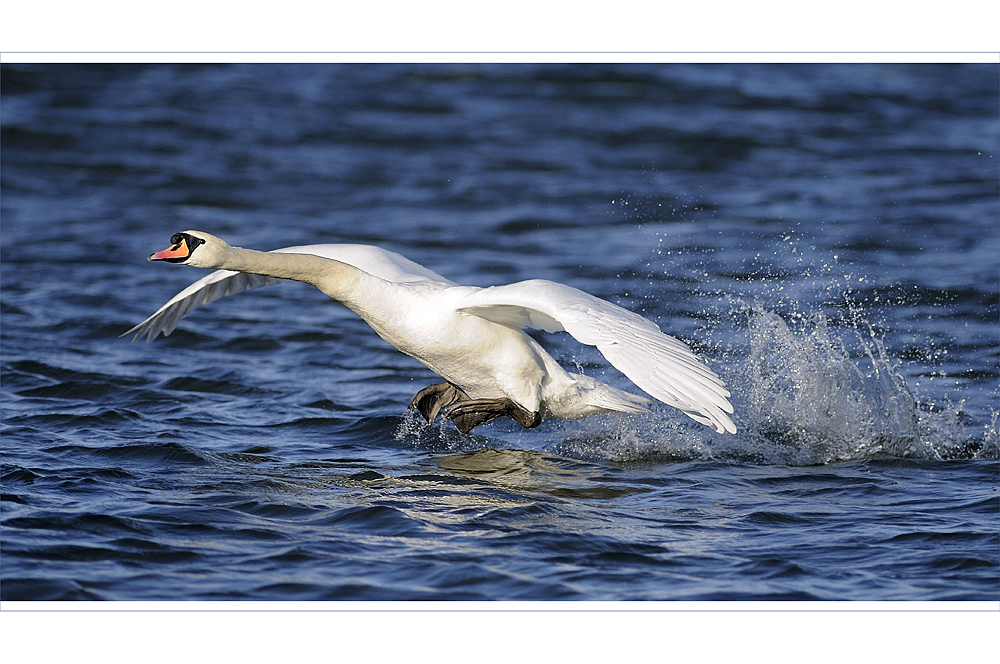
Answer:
(827, 237)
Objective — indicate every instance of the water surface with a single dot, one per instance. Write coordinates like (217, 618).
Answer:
(825, 236)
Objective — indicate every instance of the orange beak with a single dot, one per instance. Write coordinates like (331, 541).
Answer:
(178, 252)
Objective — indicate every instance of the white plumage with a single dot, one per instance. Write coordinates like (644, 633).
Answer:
(470, 336)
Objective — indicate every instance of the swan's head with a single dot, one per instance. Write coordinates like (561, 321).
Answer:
(194, 248)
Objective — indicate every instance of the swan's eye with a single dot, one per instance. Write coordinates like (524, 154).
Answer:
(179, 251)
(192, 242)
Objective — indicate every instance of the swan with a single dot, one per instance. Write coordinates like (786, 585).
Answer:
(472, 337)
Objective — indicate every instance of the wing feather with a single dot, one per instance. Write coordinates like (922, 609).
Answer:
(208, 289)
(661, 365)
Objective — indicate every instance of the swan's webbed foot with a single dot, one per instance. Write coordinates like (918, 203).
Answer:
(470, 413)
(430, 400)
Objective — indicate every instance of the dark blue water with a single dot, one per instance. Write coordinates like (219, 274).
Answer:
(826, 236)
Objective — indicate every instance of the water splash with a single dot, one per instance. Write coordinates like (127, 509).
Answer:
(440, 437)
(808, 389)
(803, 388)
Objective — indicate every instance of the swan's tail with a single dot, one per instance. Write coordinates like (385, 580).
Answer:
(610, 399)
(605, 398)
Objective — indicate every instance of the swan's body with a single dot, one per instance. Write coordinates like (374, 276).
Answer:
(471, 337)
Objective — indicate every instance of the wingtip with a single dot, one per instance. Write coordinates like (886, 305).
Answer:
(133, 330)
(720, 422)
(714, 420)
(138, 331)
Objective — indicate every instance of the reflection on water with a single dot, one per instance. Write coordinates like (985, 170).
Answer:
(493, 464)
(538, 472)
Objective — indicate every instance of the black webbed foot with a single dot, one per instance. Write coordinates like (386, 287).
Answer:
(430, 400)
(470, 413)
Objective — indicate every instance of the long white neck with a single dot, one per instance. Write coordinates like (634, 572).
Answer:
(337, 280)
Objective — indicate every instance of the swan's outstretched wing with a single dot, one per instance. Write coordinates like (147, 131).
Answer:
(373, 260)
(659, 364)
(217, 284)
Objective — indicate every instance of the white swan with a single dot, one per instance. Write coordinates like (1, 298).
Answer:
(471, 337)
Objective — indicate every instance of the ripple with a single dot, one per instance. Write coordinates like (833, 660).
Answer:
(777, 568)
(169, 452)
(280, 511)
(962, 563)
(378, 520)
(231, 386)
(44, 589)
(969, 538)
(15, 474)
(101, 524)
(105, 418)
